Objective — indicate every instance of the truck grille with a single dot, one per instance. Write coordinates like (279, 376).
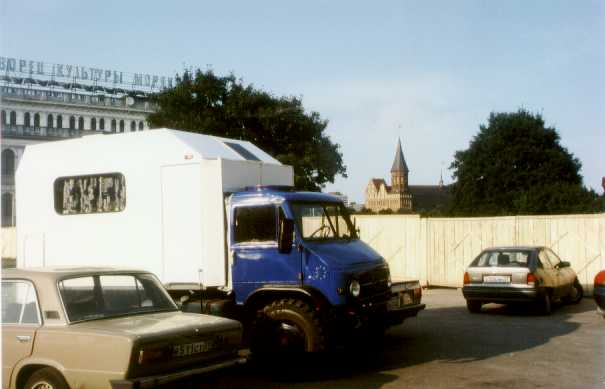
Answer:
(375, 284)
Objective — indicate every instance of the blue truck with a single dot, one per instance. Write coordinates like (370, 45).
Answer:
(221, 225)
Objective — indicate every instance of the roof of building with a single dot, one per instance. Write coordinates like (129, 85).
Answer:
(427, 197)
(377, 182)
(399, 164)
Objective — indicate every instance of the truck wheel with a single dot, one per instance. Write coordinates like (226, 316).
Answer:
(287, 325)
(473, 306)
(46, 378)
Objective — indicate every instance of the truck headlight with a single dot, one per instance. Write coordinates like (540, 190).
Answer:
(354, 288)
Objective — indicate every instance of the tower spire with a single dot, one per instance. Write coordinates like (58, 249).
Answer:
(399, 164)
(399, 171)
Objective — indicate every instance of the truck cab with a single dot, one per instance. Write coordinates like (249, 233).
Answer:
(297, 256)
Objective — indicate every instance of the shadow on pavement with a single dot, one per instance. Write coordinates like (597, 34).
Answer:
(446, 334)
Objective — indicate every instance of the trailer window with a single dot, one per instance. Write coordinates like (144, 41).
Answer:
(255, 224)
(98, 193)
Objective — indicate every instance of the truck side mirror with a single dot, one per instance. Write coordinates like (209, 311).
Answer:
(356, 227)
(286, 230)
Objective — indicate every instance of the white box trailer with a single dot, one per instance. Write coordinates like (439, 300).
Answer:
(151, 200)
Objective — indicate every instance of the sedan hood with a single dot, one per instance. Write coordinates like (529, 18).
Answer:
(343, 253)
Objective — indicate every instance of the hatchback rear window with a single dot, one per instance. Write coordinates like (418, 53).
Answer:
(502, 258)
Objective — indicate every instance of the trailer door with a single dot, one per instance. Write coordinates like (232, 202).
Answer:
(181, 224)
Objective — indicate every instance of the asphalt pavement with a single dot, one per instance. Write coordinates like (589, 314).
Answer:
(448, 347)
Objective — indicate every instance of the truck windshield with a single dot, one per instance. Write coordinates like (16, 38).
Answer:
(323, 221)
(104, 296)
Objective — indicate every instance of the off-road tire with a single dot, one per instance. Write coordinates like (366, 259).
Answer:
(473, 306)
(45, 378)
(579, 292)
(292, 312)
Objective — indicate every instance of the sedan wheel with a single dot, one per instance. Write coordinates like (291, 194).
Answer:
(46, 378)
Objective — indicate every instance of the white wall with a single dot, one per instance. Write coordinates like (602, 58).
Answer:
(9, 242)
(437, 250)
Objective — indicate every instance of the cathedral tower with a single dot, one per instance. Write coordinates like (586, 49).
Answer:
(399, 171)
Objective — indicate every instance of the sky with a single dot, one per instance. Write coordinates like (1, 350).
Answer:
(428, 72)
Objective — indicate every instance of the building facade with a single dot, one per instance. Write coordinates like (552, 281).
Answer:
(41, 102)
(396, 197)
(400, 196)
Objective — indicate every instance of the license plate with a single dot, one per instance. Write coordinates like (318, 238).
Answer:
(400, 300)
(497, 279)
(183, 350)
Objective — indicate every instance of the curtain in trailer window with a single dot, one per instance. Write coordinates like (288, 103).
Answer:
(90, 194)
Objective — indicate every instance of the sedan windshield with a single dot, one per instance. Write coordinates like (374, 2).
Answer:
(323, 221)
(110, 295)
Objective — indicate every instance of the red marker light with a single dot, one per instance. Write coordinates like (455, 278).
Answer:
(599, 278)
(531, 279)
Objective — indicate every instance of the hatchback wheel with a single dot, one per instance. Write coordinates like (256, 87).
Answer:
(545, 304)
(576, 293)
(473, 306)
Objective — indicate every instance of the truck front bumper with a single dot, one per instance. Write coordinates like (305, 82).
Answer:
(156, 380)
(398, 315)
(401, 302)
(405, 302)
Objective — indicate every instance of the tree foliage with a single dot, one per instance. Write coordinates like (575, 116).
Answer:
(205, 103)
(516, 165)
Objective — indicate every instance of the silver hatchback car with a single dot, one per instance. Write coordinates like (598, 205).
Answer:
(523, 274)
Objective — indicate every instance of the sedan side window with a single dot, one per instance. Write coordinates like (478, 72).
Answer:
(19, 303)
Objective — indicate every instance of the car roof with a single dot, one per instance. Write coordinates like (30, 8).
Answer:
(497, 248)
(63, 272)
(263, 193)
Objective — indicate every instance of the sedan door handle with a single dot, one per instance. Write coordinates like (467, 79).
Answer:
(24, 338)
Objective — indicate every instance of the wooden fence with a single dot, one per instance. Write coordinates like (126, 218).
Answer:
(437, 250)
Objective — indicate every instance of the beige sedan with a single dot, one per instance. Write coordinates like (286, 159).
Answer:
(104, 328)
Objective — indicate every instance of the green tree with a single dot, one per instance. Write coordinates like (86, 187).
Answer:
(365, 211)
(516, 165)
(205, 103)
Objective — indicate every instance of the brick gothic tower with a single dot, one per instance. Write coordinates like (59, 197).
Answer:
(399, 172)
